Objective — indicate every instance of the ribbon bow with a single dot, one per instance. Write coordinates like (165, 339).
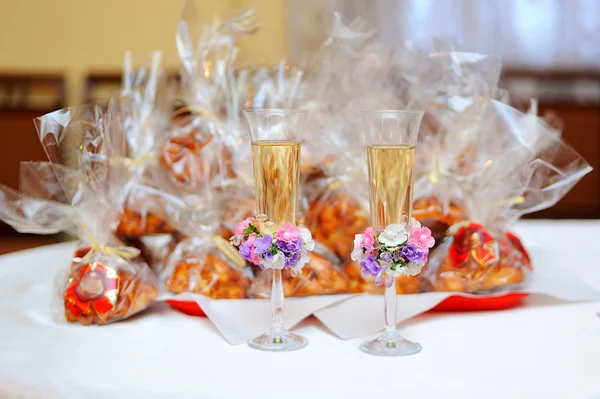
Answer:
(230, 253)
(509, 201)
(141, 160)
(123, 251)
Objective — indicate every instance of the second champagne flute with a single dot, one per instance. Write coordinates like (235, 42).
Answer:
(390, 248)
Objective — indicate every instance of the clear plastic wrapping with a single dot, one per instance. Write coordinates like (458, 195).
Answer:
(206, 266)
(517, 165)
(334, 216)
(350, 73)
(82, 189)
(213, 93)
(146, 98)
(455, 89)
(200, 259)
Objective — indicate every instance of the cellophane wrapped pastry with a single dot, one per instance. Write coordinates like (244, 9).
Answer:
(334, 216)
(200, 260)
(518, 165)
(207, 266)
(322, 275)
(146, 98)
(199, 151)
(455, 89)
(237, 203)
(86, 146)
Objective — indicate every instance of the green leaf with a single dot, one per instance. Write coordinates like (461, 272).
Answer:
(251, 229)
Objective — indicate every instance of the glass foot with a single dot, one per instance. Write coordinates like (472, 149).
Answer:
(390, 344)
(278, 340)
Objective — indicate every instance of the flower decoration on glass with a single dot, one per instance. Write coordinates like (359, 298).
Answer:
(399, 249)
(261, 243)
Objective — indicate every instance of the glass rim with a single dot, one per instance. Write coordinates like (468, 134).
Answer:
(392, 111)
(274, 110)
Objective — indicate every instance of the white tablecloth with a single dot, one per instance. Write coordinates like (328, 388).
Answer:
(545, 349)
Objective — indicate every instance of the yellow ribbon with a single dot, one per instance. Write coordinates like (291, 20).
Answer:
(95, 246)
(227, 249)
(510, 201)
(203, 112)
(434, 174)
(335, 184)
(134, 162)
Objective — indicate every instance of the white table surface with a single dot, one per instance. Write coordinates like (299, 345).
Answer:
(544, 349)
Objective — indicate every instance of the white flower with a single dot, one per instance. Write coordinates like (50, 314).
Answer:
(358, 254)
(358, 239)
(393, 235)
(304, 259)
(307, 240)
(278, 262)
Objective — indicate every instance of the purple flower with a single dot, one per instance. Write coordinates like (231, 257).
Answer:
(386, 257)
(290, 261)
(397, 256)
(289, 247)
(263, 244)
(268, 257)
(370, 266)
(245, 252)
(413, 254)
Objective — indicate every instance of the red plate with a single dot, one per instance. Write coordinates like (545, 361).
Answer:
(458, 302)
(187, 307)
(453, 303)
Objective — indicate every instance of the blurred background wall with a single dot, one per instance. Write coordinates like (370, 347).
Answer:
(75, 38)
(55, 53)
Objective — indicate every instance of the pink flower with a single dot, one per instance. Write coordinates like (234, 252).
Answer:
(288, 233)
(239, 230)
(250, 241)
(368, 239)
(421, 238)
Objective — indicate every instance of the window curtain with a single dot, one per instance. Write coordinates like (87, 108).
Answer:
(545, 34)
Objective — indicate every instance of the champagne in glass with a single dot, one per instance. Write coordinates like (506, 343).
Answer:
(391, 183)
(276, 178)
(391, 138)
(276, 136)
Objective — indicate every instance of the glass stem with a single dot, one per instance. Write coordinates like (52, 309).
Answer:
(277, 303)
(390, 304)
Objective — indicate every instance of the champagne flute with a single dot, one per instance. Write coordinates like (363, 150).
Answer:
(391, 137)
(276, 135)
